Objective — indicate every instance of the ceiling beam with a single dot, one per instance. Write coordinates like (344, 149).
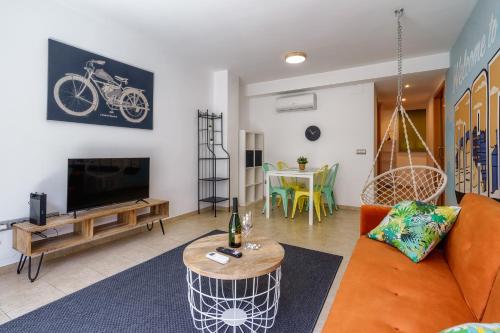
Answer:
(348, 75)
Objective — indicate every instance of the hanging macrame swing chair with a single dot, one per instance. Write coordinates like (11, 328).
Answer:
(412, 182)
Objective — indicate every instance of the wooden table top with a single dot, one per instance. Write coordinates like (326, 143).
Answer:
(253, 263)
(56, 221)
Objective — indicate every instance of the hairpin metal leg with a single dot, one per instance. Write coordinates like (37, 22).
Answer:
(22, 261)
(152, 224)
(161, 225)
(32, 279)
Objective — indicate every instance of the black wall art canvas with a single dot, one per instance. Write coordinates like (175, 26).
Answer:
(84, 87)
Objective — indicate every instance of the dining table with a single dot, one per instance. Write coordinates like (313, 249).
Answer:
(292, 173)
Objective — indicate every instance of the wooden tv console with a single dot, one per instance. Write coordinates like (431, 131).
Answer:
(86, 228)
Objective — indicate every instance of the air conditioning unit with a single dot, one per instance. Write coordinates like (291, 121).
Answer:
(296, 102)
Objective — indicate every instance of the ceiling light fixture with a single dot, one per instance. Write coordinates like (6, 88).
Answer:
(295, 57)
(407, 85)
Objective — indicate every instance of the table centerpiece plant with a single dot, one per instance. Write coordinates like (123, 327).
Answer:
(302, 161)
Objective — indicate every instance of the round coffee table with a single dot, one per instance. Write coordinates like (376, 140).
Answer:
(240, 296)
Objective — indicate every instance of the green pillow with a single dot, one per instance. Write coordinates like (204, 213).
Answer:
(473, 328)
(415, 228)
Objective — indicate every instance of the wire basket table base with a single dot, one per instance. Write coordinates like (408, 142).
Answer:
(233, 306)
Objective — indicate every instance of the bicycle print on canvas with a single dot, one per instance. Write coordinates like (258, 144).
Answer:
(87, 88)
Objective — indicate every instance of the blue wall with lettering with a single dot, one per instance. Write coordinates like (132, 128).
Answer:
(478, 42)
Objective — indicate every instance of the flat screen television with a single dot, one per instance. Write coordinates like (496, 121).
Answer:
(98, 182)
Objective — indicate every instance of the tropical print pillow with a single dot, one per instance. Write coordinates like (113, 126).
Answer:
(415, 228)
(474, 328)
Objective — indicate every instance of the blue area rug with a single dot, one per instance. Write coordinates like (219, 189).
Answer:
(152, 297)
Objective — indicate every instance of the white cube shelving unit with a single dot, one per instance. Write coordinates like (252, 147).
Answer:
(251, 176)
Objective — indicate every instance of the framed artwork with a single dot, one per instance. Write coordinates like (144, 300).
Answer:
(493, 134)
(84, 87)
(463, 144)
(477, 128)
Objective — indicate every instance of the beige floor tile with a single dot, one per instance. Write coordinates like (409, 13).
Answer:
(69, 275)
(3, 318)
(184, 231)
(136, 250)
(13, 285)
(106, 263)
(21, 296)
(161, 243)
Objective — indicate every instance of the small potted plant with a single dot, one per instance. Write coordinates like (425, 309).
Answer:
(302, 162)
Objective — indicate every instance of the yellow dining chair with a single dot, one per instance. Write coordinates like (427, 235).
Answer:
(319, 185)
(288, 182)
(302, 195)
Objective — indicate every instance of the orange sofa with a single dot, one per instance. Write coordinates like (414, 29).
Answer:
(384, 291)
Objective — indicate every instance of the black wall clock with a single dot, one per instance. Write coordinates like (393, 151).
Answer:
(313, 133)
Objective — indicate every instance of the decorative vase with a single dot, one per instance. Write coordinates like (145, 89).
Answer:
(302, 166)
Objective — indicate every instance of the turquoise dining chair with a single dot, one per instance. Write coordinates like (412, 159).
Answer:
(277, 190)
(328, 189)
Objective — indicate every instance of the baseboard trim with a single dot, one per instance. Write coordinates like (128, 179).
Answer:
(345, 207)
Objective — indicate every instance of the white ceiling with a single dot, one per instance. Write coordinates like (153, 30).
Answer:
(249, 37)
(422, 86)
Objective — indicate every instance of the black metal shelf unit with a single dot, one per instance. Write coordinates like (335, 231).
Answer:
(213, 161)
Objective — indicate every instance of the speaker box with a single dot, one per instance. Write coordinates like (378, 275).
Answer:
(38, 208)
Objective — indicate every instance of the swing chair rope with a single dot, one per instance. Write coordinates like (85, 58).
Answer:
(403, 113)
(394, 133)
(422, 140)
(398, 14)
(413, 182)
(399, 101)
(379, 150)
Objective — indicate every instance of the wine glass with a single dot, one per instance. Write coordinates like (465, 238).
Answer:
(246, 228)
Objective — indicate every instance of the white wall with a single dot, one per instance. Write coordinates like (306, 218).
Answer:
(233, 132)
(345, 116)
(226, 90)
(34, 151)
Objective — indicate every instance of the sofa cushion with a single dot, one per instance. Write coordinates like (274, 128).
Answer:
(383, 291)
(370, 216)
(492, 311)
(415, 228)
(472, 250)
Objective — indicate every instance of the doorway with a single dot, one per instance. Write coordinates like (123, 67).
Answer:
(438, 122)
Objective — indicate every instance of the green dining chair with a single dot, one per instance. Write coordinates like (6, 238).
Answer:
(328, 189)
(277, 190)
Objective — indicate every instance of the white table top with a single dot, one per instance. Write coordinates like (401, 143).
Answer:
(308, 173)
(295, 171)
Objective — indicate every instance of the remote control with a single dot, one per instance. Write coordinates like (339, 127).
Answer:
(230, 252)
(217, 257)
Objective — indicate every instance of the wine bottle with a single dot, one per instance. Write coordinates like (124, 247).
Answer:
(235, 226)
